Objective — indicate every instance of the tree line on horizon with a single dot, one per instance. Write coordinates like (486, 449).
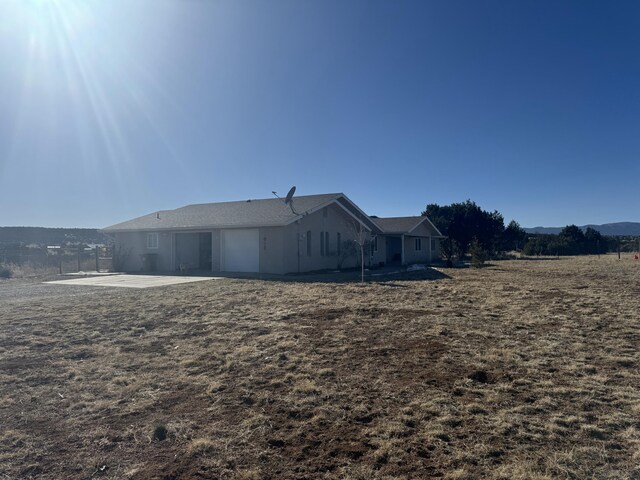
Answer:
(470, 230)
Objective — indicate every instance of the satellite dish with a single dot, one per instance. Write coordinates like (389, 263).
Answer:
(288, 200)
(289, 196)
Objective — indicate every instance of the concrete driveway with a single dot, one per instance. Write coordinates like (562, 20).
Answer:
(132, 281)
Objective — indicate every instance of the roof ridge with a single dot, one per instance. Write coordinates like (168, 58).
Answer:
(259, 200)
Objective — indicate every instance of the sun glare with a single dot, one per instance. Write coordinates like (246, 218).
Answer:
(77, 75)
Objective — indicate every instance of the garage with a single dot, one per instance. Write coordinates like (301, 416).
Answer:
(240, 250)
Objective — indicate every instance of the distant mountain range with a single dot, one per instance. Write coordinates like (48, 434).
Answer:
(621, 229)
(50, 236)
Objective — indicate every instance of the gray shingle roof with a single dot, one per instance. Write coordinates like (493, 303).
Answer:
(398, 224)
(247, 213)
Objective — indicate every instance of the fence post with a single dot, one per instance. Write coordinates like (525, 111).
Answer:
(79, 258)
(97, 260)
(61, 255)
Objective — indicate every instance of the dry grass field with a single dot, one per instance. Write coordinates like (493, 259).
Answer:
(521, 370)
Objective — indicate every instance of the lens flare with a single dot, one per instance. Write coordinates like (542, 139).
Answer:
(80, 85)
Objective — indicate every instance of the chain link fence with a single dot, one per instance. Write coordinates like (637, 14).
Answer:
(32, 261)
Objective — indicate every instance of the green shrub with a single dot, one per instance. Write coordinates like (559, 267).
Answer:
(478, 254)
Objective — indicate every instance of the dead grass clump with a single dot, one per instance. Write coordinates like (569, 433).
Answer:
(248, 474)
(306, 387)
(200, 447)
(326, 373)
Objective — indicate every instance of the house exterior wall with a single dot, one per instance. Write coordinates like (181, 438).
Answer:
(272, 251)
(133, 245)
(411, 255)
(295, 241)
(380, 256)
(435, 249)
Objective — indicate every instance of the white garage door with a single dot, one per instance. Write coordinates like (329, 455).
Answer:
(241, 250)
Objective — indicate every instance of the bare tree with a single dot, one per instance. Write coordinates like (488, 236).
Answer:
(361, 237)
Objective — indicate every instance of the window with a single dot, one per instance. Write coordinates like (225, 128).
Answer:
(433, 244)
(325, 212)
(418, 244)
(152, 241)
(322, 244)
(326, 243)
(338, 243)
(264, 243)
(309, 243)
(375, 244)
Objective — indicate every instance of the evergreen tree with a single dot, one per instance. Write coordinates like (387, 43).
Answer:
(462, 222)
(513, 237)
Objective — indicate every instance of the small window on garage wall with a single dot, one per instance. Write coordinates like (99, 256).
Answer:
(325, 212)
(375, 244)
(264, 243)
(322, 244)
(326, 243)
(338, 243)
(152, 241)
(433, 244)
(309, 243)
(418, 244)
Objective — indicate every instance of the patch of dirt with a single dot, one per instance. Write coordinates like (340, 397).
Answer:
(519, 370)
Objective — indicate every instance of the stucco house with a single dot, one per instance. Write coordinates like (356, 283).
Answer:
(268, 236)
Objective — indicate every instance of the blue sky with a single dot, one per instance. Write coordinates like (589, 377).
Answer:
(115, 109)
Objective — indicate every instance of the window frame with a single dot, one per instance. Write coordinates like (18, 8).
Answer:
(417, 244)
(150, 244)
(309, 243)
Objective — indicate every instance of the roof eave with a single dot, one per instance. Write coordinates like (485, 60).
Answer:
(194, 228)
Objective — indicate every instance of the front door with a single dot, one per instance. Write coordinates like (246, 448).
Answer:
(394, 250)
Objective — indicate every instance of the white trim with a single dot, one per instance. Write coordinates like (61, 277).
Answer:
(306, 212)
(313, 210)
(358, 209)
(425, 218)
(353, 216)
(212, 244)
(332, 201)
(173, 251)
